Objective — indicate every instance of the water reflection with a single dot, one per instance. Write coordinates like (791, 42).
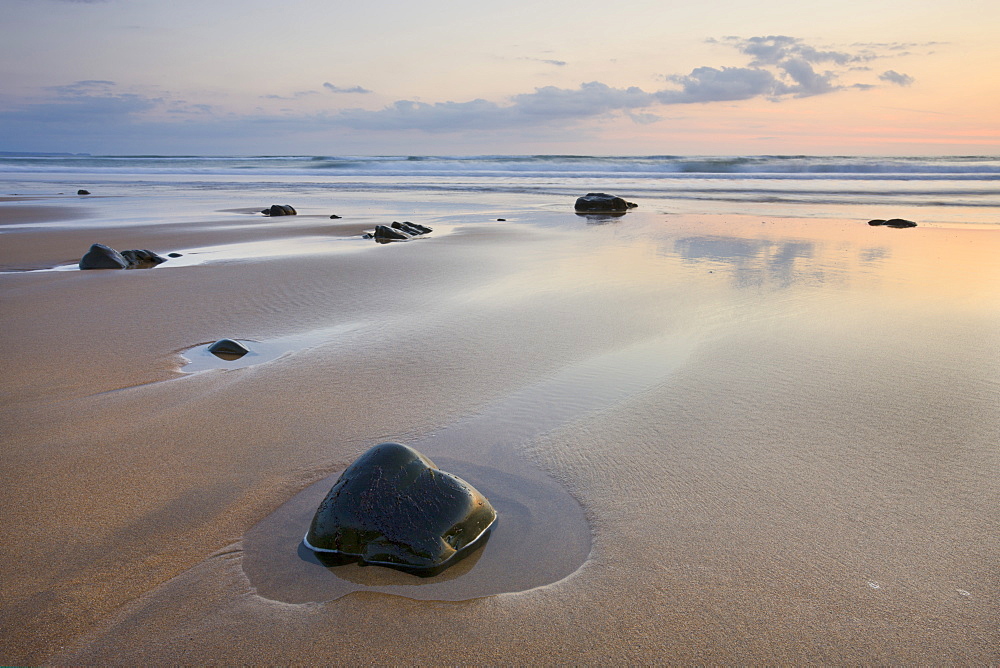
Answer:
(765, 262)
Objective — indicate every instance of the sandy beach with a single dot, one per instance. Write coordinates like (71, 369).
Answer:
(716, 438)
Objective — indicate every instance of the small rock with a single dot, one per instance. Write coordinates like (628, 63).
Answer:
(228, 349)
(174, 255)
(141, 258)
(81, 191)
(501, 220)
(393, 507)
(334, 216)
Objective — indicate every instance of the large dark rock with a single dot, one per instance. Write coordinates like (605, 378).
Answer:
(386, 233)
(103, 257)
(394, 507)
(228, 349)
(280, 210)
(893, 222)
(602, 202)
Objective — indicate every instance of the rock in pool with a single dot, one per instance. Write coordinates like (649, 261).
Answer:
(393, 507)
(228, 349)
(280, 210)
(603, 202)
(893, 222)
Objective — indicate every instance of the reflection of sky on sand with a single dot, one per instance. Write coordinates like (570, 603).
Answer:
(760, 262)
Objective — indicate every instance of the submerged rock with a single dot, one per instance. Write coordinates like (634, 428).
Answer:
(228, 349)
(394, 507)
(893, 222)
(280, 210)
(603, 202)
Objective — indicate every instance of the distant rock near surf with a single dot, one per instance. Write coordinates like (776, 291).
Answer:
(398, 231)
(280, 210)
(603, 202)
(105, 257)
(893, 222)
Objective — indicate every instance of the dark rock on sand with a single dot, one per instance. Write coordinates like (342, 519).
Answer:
(335, 216)
(103, 257)
(174, 255)
(394, 507)
(893, 222)
(603, 202)
(141, 258)
(280, 210)
(228, 349)
(386, 233)
(413, 229)
(82, 192)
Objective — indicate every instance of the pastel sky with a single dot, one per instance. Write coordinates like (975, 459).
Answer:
(388, 77)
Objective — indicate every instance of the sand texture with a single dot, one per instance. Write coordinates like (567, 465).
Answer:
(717, 440)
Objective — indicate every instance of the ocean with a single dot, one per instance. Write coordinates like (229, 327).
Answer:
(934, 190)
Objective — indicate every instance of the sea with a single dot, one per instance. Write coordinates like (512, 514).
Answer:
(934, 190)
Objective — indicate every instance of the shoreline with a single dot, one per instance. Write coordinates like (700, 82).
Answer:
(780, 432)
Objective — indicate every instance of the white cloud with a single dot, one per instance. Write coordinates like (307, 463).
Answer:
(337, 89)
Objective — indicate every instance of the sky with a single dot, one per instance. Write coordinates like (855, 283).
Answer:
(414, 77)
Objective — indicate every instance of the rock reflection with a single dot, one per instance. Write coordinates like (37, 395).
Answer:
(758, 262)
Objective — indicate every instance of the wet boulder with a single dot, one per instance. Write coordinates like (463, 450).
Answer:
(898, 223)
(228, 349)
(103, 257)
(81, 191)
(393, 507)
(280, 210)
(602, 202)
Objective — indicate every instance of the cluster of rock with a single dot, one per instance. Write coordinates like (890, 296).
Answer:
(398, 231)
(104, 257)
(394, 507)
(602, 202)
(280, 210)
(893, 222)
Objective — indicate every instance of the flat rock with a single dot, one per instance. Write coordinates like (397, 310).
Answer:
(893, 222)
(393, 507)
(602, 202)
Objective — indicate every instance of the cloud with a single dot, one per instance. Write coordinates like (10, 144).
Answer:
(294, 96)
(337, 89)
(894, 77)
(708, 84)
(778, 49)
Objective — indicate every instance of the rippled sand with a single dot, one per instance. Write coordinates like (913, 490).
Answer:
(774, 441)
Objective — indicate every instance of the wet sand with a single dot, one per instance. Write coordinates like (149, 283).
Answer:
(779, 437)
